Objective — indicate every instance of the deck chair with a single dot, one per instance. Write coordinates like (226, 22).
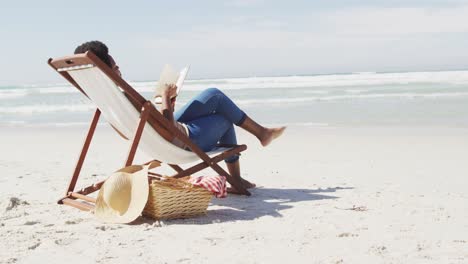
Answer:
(135, 119)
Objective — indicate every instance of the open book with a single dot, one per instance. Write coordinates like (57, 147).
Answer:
(170, 76)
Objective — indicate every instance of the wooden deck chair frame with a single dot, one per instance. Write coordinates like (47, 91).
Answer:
(148, 113)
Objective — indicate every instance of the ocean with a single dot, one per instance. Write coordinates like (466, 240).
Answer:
(354, 99)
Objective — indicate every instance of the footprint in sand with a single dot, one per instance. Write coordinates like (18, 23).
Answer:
(31, 222)
(347, 235)
(63, 242)
(15, 202)
(102, 228)
(420, 247)
(73, 222)
(380, 250)
(35, 245)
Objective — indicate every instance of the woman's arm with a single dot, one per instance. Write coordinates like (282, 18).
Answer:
(167, 107)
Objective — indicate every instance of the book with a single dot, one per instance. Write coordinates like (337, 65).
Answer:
(170, 76)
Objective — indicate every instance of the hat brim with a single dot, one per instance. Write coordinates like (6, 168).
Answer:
(123, 195)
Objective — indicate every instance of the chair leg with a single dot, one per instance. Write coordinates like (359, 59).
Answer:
(136, 138)
(84, 151)
(71, 196)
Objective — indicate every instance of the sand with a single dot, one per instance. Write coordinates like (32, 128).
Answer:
(325, 195)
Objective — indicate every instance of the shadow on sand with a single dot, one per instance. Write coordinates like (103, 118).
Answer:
(263, 202)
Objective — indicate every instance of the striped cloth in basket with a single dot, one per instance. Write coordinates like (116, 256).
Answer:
(215, 184)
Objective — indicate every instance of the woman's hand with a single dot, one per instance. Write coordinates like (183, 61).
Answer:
(167, 107)
(170, 90)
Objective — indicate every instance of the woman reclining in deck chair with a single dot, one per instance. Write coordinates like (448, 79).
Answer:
(208, 119)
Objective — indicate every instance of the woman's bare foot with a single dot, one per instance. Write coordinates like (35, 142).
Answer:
(245, 183)
(233, 190)
(270, 134)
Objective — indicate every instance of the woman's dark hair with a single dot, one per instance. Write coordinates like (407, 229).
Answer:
(98, 48)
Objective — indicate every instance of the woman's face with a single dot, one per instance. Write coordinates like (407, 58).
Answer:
(114, 66)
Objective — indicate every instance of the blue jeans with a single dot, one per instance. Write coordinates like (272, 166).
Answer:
(210, 117)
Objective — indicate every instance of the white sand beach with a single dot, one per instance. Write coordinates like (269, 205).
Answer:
(325, 195)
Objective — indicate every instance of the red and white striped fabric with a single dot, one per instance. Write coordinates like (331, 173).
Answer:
(215, 184)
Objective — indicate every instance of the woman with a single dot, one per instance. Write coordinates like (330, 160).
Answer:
(208, 119)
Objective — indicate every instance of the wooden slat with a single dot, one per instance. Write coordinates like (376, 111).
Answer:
(80, 205)
(191, 170)
(216, 159)
(176, 167)
(82, 197)
(91, 188)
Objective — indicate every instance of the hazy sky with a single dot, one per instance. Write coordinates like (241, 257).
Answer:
(222, 38)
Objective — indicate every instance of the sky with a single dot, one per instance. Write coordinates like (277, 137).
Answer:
(236, 38)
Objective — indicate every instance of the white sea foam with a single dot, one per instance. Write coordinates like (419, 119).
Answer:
(80, 107)
(347, 97)
(12, 93)
(48, 124)
(69, 124)
(16, 122)
(365, 79)
(56, 90)
(32, 109)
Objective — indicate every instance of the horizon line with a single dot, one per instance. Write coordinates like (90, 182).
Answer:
(256, 76)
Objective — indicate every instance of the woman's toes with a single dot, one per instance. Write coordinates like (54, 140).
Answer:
(271, 134)
(248, 185)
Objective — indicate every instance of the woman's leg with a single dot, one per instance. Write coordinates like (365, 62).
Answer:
(234, 170)
(213, 101)
(210, 101)
(206, 131)
(232, 162)
(230, 138)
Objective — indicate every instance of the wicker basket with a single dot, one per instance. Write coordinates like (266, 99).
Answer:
(171, 198)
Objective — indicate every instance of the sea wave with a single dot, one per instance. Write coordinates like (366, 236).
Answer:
(33, 109)
(74, 108)
(347, 97)
(22, 123)
(12, 93)
(362, 80)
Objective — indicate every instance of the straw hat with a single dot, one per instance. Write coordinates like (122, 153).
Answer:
(123, 195)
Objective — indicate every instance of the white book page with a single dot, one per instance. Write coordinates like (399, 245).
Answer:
(183, 73)
(169, 76)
